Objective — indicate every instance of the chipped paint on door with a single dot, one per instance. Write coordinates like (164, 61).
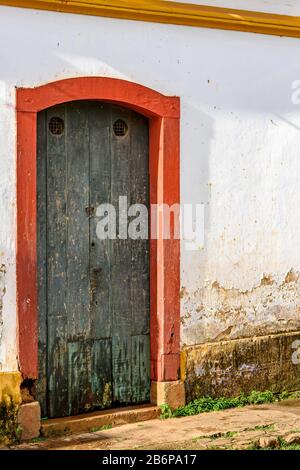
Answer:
(93, 301)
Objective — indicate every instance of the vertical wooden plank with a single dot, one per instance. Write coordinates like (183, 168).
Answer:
(101, 377)
(139, 267)
(120, 259)
(79, 387)
(56, 268)
(77, 189)
(78, 241)
(58, 401)
(100, 174)
(140, 368)
(100, 164)
(41, 386)
(139, 194)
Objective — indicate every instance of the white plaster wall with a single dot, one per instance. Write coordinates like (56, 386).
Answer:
(280, 7)
(8, 351)
(239, 145)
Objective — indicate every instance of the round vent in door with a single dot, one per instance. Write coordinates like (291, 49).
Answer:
(120, 128)
(56, 126)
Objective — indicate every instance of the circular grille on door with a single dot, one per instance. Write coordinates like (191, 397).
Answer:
(120, 128)
(56, 126)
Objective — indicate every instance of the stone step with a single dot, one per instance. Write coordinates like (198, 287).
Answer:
(90, 422)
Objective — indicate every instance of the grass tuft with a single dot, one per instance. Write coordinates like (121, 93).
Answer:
(101, 428)
(262, 427)
(206, 404)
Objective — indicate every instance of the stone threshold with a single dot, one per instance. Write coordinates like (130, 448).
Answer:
(89, 422)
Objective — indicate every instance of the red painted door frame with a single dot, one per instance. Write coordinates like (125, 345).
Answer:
(163, 113)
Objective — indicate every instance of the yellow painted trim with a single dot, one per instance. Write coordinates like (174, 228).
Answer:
(161, 11)
(183, 359)
(10, 387)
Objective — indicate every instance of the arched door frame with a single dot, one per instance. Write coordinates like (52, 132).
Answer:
(163, 113)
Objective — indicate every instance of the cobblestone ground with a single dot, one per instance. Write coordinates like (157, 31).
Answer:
(261, 426)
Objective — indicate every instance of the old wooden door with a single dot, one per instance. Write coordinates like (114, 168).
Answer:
(93, 294)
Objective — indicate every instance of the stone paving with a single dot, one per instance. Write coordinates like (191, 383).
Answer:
(238, 428)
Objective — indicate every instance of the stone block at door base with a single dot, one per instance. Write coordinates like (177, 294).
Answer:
(29, 420)
(171, 393)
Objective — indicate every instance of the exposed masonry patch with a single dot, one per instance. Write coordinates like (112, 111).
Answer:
(215, 313)
(27, 390)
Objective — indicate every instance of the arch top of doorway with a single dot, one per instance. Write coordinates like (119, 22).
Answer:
(125, 93)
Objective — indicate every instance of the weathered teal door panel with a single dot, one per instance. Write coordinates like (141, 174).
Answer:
(93, 294)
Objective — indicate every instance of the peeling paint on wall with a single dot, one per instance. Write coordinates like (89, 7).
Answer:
(215, 313)
(2, 292)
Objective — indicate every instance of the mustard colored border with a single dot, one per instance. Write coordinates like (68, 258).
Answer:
(161, 11)
(10, 383)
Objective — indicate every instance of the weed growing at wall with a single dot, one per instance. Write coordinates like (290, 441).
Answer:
(206, 404)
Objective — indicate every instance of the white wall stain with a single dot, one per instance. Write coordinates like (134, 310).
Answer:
(289, 7)
(8, 343)
(215, 313)
(2, 292)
